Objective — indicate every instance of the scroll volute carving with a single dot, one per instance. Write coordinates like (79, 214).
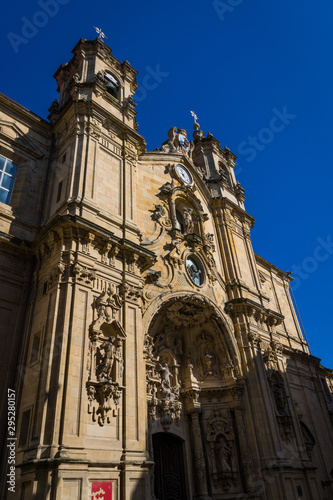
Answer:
(105, 358)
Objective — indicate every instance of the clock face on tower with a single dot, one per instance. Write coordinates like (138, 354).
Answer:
(184, 174)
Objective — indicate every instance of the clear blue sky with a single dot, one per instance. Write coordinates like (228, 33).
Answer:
(238, 64)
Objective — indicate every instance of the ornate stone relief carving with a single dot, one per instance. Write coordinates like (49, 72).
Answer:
(186, 314)
(239, 192)
(83, 274)
(246, 311)
(105, 361)
(162, 222)
(208, 359)
(129, 106)
(56, 273)
(177, 142)
(270, 354)
(88, 240)
(270, 359)
(131, 293)
(132, 263)
(220, 440)
(185, 235)
(283, 416)
(163, 387)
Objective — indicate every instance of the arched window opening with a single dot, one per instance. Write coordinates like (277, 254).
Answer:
(112, 85)
(224, 173)
(179, 221)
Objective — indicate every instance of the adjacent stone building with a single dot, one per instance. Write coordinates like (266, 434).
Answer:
(154, 355)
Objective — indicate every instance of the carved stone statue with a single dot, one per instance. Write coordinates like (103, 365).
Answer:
(165, 390)
(188, 220)
(165, 375)
(207, 364)
(222, 451)
(177, 142)
(105, 366)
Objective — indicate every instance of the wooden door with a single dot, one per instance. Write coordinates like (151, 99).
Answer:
(169, 467)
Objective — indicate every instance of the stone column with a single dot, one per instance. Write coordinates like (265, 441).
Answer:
(193, 407)
(252, 476)
(199, 459)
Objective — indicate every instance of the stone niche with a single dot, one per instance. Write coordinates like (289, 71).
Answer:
(105, 364)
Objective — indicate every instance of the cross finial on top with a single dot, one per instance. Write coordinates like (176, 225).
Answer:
(100, 32)
(194, 116)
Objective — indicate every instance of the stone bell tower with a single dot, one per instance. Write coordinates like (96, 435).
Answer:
(96, 107)
(84, 409)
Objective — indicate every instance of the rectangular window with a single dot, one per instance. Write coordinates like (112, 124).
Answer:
(24, 428)
(8, 171)
(26, 491)
(59, 191)
(35, 348)
(325, 389)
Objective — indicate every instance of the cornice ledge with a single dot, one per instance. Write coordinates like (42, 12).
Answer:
(302, 355)
(224, 202)
(146, 257)
(14, 240)
(244, 305)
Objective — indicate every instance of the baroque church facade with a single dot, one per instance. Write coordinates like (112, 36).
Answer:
(153, 354)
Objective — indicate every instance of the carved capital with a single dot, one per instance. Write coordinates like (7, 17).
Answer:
(88, 240)
(83, 274)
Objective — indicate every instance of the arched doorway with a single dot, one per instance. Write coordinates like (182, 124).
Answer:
(191, 374)
(170, 482)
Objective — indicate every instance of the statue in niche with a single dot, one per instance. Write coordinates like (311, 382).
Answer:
(105, 366)
(222, 452)
(208, 362)
(207, 355)
(165, 375)
(188, 220)
(166, 391)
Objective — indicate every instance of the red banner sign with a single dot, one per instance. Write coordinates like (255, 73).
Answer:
(101, 491)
